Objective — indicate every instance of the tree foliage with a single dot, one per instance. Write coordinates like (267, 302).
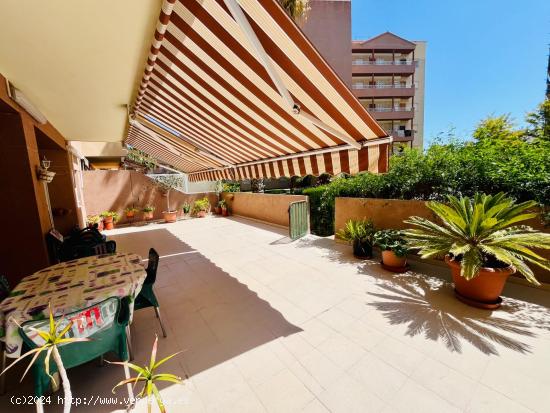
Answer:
(500, 158)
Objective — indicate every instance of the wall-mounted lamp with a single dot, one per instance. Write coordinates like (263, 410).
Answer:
(42, 171)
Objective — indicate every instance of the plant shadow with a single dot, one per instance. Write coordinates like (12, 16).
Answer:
(428, 307)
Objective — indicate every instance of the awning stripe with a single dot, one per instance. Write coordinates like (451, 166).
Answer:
(207, 86)
(347, 161)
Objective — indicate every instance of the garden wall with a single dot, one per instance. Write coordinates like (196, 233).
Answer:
(116, 190)
(390, 213)
(271, 208)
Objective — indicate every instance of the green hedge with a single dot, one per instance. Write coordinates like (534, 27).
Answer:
(513, 165)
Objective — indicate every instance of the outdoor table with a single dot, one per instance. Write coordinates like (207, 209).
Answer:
(67, 287)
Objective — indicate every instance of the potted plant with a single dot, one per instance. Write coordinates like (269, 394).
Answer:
(218, 190)
(186, 208)
(167, 183)
(218, 207)
(361, 234)
(94, 220)
(109, 218)
(482, 244)
(148, 212)
(394, 249)
(131, 212)
(224, 208)
(201, 207)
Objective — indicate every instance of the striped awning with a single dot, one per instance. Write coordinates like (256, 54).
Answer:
(242, 96)
(373, 158)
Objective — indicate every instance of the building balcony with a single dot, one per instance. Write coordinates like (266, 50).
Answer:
(402, 135)
(389, 113)
(360, 67)
(367, 91)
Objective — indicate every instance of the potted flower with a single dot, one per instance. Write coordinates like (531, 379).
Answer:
(109, 218)
(218, 207)
(482, 244)
(94, 220)
(361, 235)
(394, 249)
(131, 212)
(148, 212)
(201, 207)
(186, 208)
(224, 208)
(168, 183)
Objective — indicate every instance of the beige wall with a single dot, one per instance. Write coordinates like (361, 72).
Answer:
(419, 78)
(271, 208)
(390, 213)
(116, 190)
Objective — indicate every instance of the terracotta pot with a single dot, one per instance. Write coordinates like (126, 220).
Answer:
(130, 215)
(170, 216)
(362, 249)
(201, 214)
(225, 212)
(391, 260)
(108, 223)
(148, 215)
(218, 210)
(485, 288)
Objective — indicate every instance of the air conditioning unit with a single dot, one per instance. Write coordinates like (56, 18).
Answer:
(18, 97)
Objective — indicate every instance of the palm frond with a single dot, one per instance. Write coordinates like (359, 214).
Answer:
(479, 231)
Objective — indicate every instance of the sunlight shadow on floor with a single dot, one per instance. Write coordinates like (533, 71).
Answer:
(428, 307)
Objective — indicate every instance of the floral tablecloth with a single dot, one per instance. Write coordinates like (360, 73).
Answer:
(68, 286)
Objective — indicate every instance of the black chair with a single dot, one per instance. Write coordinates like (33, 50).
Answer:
(146, 297)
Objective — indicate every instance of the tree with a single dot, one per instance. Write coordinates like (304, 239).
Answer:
(167, 183)
(539, 122)
(498, 129)
(296, 8)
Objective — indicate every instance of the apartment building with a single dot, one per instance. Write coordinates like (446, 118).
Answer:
(388, 79)
(386, 72)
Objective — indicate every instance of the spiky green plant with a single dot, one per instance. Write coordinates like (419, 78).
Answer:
(358, 230)
(149, 377)
(53, 338)
(480, 232)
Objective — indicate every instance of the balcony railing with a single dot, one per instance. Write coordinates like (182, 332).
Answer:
(390, 109)
(359, 62)
(380, 86)
(401, 133)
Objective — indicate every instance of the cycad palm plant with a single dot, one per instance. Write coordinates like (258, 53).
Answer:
(481, 232)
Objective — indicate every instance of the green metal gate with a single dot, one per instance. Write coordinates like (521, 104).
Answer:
(298, 218)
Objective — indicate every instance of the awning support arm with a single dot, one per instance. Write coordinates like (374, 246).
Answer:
(238, 14)
(137, 120)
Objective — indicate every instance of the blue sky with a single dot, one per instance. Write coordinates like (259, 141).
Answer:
(484, 57)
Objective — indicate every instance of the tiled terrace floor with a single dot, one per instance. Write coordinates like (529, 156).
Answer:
(268, 325)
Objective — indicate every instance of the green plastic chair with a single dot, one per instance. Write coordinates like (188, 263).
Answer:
(104, 323)
(146, 297)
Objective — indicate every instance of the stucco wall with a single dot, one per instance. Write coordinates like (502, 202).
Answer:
(328, 27)
(390, 213)
(272, 208)
(117, 190)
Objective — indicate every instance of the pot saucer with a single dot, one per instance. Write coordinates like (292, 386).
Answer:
(491, 305)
